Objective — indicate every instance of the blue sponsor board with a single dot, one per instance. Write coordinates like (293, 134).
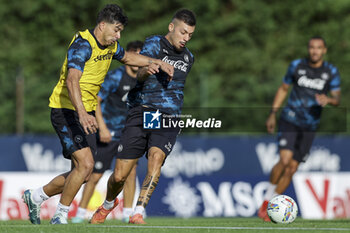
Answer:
(203, 176)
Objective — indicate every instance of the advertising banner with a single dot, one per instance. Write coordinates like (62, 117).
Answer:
(203, 176)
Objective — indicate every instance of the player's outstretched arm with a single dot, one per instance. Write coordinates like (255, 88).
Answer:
(145, 72)
(134, 59)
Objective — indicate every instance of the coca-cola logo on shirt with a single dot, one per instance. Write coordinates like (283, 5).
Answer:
(180, 65)
(317, 84)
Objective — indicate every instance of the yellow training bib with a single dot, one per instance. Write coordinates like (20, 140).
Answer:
(93, 75)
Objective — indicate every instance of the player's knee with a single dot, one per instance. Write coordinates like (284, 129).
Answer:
(118, 178)
(293, 168)
(89, 166)
(289, 171)
(285, 161)
(157, 158)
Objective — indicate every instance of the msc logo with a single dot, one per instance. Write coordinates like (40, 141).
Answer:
(151, 120)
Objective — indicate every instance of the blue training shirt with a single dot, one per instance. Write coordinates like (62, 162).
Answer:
(157, 92)
(114, 93)
(302, 108)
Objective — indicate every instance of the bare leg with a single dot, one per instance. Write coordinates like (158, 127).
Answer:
(155, 160)
(89, 189)
(279, 168)
(117, 179)
(286, 178)
(129, 188)
(83, 162)
(55, 186)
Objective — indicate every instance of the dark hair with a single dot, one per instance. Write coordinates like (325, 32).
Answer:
(134, 45)
(318, 38)
(187, 16)
(112, 13)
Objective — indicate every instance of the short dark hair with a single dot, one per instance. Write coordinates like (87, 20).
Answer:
(112, 13)
(187, 16)
(134, 45)
(318, 38)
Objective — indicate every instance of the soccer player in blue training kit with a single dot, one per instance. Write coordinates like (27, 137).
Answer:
(312, 79)
(111, 114)
(73, 104)
(158, 93)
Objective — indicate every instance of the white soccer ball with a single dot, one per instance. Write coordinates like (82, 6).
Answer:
(282, 209)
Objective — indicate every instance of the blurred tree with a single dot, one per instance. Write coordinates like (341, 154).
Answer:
(242, 49)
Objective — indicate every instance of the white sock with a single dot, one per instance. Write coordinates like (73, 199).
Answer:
(39, 196)
(62, 209)
(139, 210)
(108, 204)
(270, 192)
(81, 213)
(127, 212)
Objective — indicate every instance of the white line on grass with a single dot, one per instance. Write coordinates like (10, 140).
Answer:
(200, 227)
(226, 228)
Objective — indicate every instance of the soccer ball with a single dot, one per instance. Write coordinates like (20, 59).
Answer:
(282, 209)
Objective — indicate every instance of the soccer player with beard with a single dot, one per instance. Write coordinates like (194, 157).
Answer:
(73, 104)
(155, 92)
(312, 79)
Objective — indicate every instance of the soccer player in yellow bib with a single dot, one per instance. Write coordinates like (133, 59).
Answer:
(73, 104)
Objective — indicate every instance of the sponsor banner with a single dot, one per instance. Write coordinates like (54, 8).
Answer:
(319, 196)
(209, 196)
(13, 184)
(210, 176)
(191, 156)
(206, 196)
(323, 195)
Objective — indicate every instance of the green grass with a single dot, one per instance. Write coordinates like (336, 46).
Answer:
(178, 225)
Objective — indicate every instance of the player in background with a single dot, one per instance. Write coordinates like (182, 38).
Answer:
(157, 93)
(73, 104)
(111, 114)
(313, 79)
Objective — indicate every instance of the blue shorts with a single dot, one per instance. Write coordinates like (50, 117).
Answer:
(296, 139)
(136, 140)
(104, 156)
(71, 133)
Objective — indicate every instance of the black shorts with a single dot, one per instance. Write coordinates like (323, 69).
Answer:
(71, 133)
(296, 139)
(104, 156)
(136, 140)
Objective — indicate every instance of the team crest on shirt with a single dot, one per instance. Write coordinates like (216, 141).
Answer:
(324, 76)
(301, 72)
(186, 58)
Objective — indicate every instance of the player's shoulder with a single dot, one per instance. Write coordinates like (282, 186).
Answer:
(333, 69)
(153, 39)
(298, 61)
(80, 41)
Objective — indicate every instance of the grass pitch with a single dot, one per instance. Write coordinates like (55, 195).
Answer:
(178, 225)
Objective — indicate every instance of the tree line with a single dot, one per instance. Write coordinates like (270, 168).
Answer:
(242, 49)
